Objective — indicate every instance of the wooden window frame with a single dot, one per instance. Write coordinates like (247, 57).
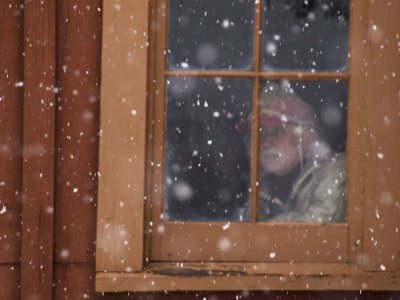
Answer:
(180, 242)
(125, 170)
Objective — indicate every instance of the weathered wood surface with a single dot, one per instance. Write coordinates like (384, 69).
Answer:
(11, 80)
(38, 149)
(75, 282)
(121, 194)
(11, 77)
(382, 222)
(78, 48)
(78, 73)
(9, 281)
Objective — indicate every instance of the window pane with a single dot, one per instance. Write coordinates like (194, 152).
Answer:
(207, 168)
(302, 143)
(305, 35)
(210, 34)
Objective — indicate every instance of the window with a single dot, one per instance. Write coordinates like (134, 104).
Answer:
(173, 104)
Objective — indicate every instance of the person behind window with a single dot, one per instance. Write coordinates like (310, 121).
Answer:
(301, 179)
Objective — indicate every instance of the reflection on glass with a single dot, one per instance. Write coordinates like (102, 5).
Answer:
(305, 35)
(210, 34)
(207, 174)
(302, 163)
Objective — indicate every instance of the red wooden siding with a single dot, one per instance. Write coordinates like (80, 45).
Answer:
(49, 100)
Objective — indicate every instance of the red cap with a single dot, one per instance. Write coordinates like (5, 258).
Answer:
(280, 106)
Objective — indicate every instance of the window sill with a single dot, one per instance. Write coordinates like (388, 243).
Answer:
(246, 276)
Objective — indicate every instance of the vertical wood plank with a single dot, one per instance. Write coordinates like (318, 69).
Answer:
(11, 75)
(382, 222)
(156, 118)
(78, 73)
(122, 141)
(38, 149)
(77, 282)
(9, 279)
(357, 138)
(74, 282)
(255, 129)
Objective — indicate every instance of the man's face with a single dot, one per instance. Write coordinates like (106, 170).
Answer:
(281, 147)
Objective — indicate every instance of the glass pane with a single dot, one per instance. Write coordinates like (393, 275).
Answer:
(305, 35)
(302, 144)
(207, 167)
(210, 34)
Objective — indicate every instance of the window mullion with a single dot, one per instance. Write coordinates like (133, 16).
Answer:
(254, 131)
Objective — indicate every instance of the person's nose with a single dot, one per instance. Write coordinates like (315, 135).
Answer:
(267, 138)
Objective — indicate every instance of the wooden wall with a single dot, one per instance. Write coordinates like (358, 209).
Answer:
(49, 121)
(11, 76)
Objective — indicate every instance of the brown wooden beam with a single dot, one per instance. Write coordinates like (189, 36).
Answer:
(77, 127)
(9, 278)
(11, 74)
(38, 149)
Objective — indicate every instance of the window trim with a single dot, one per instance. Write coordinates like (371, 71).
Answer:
(120, 211)
(120, 248)
(214, 277)
(185, 242)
